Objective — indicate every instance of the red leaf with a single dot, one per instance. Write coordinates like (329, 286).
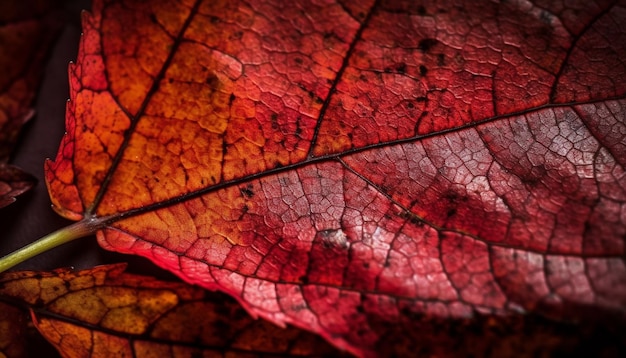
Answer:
(337, 165)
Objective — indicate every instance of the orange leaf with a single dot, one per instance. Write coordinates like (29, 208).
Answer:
(332, 165)
(106, 312)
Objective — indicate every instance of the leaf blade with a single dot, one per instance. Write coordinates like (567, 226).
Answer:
(492, 166)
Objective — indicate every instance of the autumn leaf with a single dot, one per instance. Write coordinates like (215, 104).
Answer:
(106, 312)
(347, 167)
(27, 28)
(12, 326)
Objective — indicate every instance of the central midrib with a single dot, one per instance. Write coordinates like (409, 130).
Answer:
(310, 159)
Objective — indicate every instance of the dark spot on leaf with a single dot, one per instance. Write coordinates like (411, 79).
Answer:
(401, 67)
(362, 332)
(453, 197)
(441, 60)
(247, 191)
(232, 98)
(421, 10)
(304, 280)
(298, 60)
(412, 218)
(536, 175)
(212, 80)
(298, 128)
(427, 44)
(333, 238)
(410, 314)
(221, 325)
(423, 70)
(153, 18)
(300, 307)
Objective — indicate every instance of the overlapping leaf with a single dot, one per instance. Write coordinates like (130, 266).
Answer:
(104, 312)
(12, 327)
(339, 164)
(13, 182)
(27, 29)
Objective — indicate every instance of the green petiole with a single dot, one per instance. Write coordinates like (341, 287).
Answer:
(69, 233)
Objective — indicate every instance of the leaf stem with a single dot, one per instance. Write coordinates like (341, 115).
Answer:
(69, 233)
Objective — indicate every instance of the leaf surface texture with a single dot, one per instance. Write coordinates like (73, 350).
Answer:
(334, 165)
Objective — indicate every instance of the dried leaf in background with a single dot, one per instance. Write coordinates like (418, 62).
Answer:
(106, 312)
(27, 30)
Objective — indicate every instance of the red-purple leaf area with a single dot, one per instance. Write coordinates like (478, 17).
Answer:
(27, 29)
(348, 167)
